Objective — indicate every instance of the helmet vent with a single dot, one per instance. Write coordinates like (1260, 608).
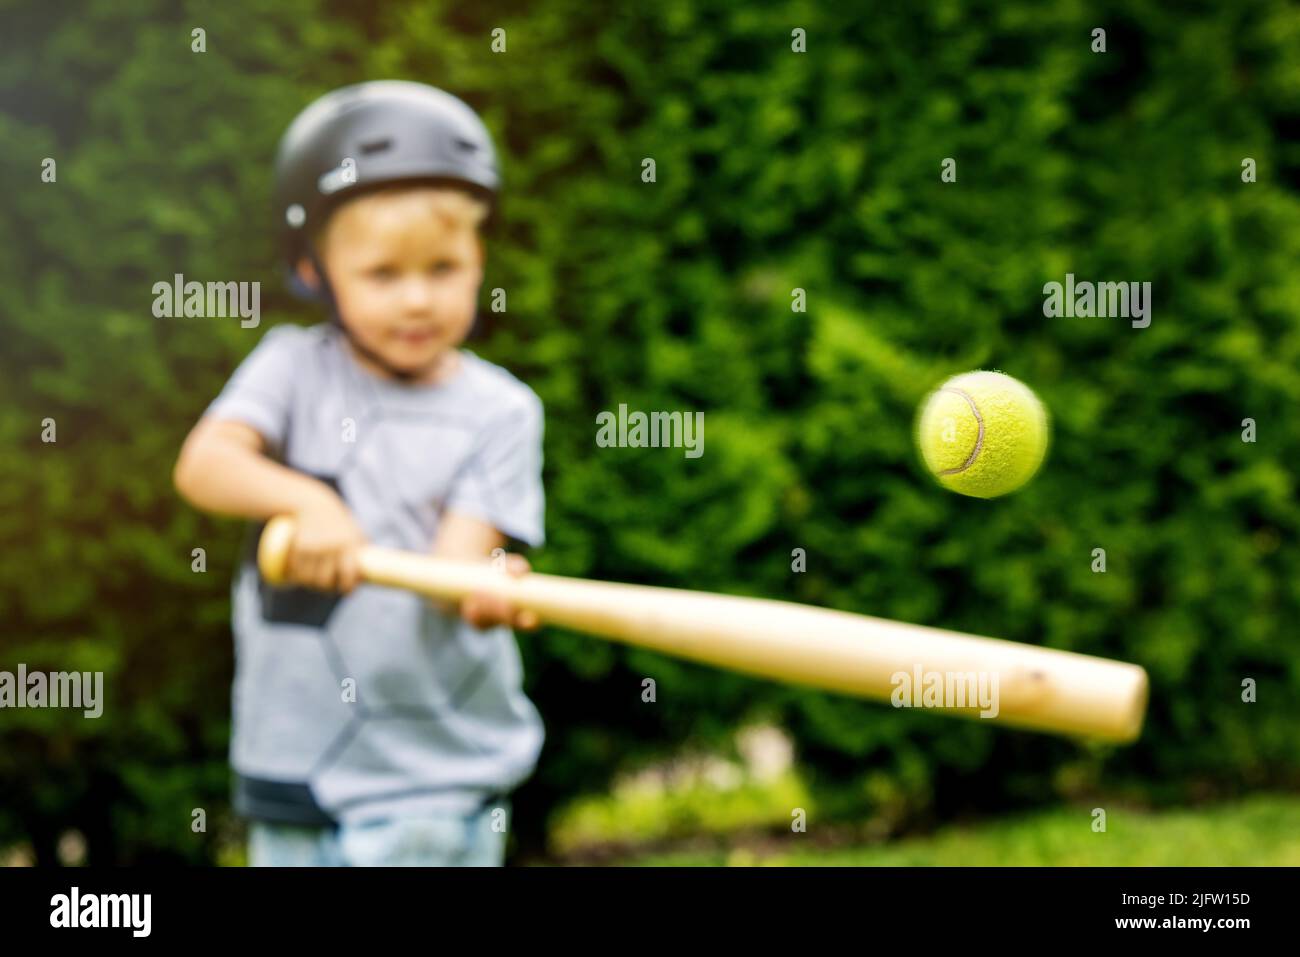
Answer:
(376, 146)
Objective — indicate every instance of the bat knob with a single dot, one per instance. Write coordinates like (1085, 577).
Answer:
(273, 549)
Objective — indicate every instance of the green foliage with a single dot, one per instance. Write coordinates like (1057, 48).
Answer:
(644, 816)
(775, 171)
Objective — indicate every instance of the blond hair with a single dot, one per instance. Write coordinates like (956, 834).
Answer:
(454, 208)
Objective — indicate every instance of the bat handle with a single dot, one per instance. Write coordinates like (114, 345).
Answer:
(442, 578)
(273, 548)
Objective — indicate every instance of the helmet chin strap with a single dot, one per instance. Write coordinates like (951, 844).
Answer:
(331, 304)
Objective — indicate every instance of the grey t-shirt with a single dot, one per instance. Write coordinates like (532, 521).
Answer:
(377, 703)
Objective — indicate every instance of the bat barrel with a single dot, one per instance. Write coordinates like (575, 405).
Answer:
(1025, 686)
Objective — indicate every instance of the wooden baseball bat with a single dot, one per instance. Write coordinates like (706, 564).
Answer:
(1040, 689)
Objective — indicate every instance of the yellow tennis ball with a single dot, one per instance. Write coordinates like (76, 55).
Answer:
(982, 434)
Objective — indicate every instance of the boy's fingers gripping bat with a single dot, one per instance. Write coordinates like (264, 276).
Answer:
(1041, 689)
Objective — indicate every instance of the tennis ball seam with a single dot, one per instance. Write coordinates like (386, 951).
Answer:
(979, 436)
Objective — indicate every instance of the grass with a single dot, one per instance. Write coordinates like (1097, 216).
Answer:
(1263, 830)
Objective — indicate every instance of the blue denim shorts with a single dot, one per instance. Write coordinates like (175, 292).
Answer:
(440, 839)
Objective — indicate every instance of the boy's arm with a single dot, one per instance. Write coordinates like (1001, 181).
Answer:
(460, 536)
(223, 468)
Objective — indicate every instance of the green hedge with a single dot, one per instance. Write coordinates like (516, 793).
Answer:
(775, 170)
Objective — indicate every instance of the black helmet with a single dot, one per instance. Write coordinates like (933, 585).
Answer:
(371, 134)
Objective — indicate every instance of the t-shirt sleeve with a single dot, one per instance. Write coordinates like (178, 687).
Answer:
(260, 392)
(501, 483)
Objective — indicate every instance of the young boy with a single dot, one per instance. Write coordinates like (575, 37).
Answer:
(369, 726)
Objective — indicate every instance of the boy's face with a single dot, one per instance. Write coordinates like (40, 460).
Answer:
(405, 276)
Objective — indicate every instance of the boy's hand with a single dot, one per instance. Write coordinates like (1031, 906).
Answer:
(485, 611)
(324, 551)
